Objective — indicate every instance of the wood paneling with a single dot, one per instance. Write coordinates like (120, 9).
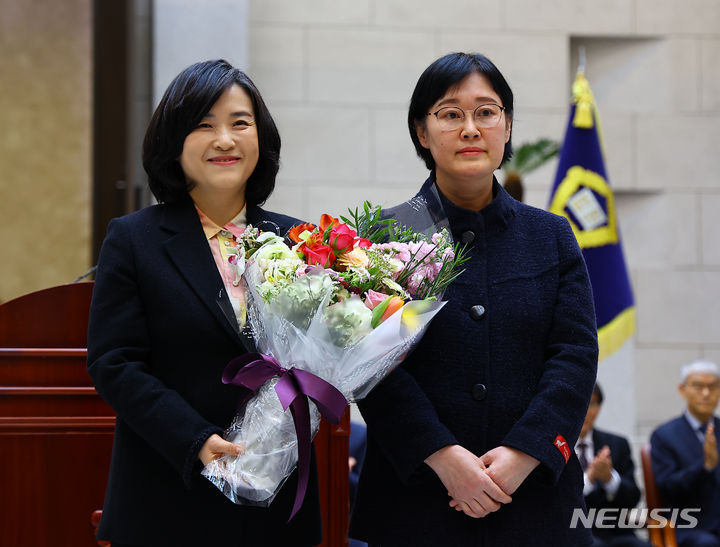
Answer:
(55, 431)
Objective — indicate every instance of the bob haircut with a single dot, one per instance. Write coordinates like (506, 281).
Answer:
(188, 98)
(438, 78)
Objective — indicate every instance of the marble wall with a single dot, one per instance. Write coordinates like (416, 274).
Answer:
(45, 143)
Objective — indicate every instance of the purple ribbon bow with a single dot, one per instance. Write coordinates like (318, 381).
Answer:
(252, 370)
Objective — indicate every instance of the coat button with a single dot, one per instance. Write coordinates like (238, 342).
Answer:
(476, 312)
(479, 392)
(467, 237)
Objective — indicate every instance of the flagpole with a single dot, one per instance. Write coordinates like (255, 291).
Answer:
(581, 60)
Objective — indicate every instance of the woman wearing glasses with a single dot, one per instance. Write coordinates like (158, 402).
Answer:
(469, 442)
(159, 339)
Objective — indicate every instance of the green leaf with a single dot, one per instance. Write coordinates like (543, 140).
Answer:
(529, 156)
(370, 225)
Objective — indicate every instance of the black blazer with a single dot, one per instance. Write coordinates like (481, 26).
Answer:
(628, 493)
(157, 344)
(678, 465)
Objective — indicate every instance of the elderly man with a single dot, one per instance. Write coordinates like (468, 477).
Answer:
(609, 475)
(685, 455)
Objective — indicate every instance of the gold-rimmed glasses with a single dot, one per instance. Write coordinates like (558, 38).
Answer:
(451, 118)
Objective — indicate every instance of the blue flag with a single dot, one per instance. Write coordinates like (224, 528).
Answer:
(581, 193)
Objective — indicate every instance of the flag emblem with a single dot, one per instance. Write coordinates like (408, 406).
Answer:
(586, 200)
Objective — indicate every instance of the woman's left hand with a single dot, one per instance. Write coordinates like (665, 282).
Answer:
(508, 467)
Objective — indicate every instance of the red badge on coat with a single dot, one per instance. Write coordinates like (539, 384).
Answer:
(562, 445)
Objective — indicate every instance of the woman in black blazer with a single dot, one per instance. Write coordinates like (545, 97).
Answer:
(470, 440)
(158, 336)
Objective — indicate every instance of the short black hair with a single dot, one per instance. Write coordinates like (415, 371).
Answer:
(188, 98)
(438, 78)
(598, 393)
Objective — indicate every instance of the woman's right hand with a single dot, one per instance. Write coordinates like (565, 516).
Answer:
(467, 482)
(215, 447)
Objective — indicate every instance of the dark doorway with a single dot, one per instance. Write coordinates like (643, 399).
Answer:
(122, 83)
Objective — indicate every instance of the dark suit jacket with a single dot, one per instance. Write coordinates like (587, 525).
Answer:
(628, 493)
(520, 374)
(157, 344)
(678, 465)
(356, 449)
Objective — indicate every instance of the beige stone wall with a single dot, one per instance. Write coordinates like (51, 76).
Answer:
(338, 75)
(45, 143)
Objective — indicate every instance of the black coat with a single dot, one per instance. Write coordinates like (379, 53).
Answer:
(157, 344)
(519, 374)
(628, 493)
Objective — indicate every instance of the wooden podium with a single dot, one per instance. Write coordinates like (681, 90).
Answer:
(56, 432)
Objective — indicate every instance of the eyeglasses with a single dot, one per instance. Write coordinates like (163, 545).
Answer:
(453, 117)
(712, 388)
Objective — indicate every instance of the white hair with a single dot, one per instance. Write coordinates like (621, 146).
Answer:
(699, 367)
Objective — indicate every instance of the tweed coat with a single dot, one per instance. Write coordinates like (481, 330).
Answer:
(519, 371)
(678, 465)
(157, 344)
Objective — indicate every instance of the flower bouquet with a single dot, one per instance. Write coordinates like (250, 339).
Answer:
(330, 316)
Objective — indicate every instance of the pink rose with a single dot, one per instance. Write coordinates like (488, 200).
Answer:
(373, 298)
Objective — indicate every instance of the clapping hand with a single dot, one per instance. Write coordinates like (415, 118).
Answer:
(601, 467)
